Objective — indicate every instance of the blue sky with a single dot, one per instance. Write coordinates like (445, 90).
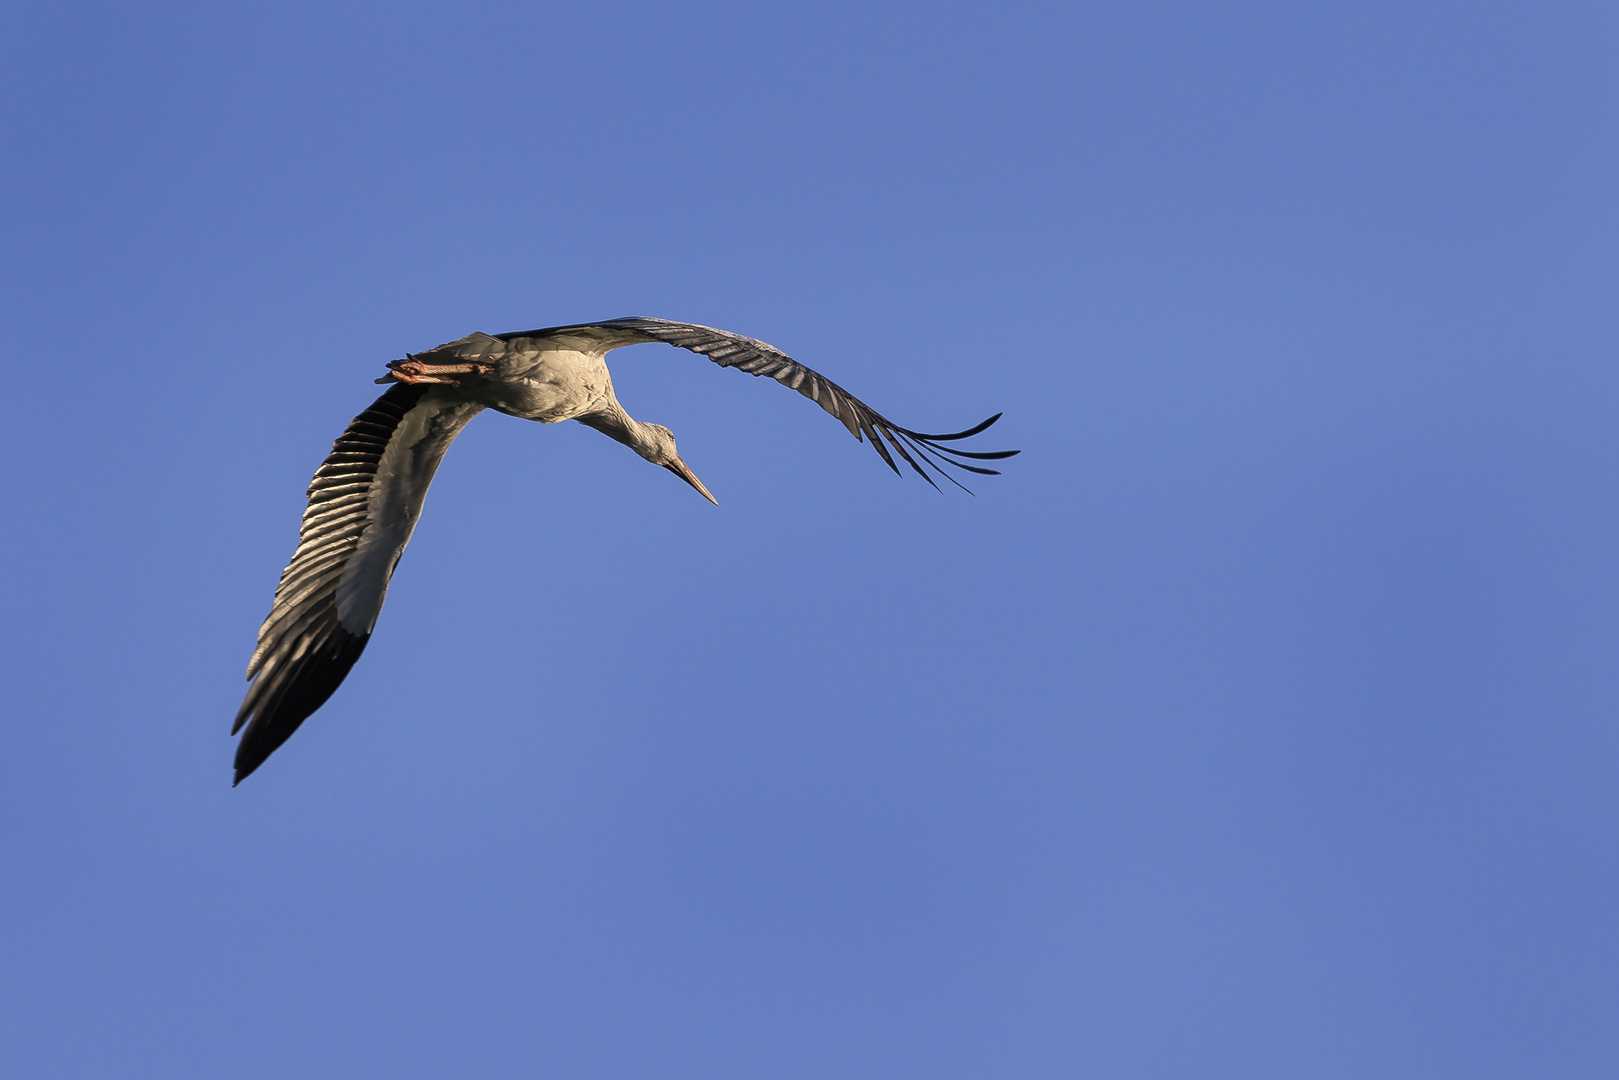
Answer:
(1259, 722)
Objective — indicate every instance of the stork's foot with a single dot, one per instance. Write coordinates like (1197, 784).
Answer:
(412, 370)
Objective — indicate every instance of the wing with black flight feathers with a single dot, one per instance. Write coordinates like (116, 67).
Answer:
(363, 505)
(757, 358)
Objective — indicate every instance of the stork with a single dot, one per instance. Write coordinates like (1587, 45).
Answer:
(366, 497)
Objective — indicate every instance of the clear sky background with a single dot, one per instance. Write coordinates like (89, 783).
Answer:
(1259, 722)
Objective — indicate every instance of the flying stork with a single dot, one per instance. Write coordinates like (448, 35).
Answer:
(365, 498)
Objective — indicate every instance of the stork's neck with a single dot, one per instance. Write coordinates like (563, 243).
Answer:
(610, 419)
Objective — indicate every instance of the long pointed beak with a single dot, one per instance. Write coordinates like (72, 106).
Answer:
(679, 468)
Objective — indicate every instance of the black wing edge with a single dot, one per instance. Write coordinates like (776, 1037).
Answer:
(927, 448)
(293, 691)
(305, 651)
(760, 358)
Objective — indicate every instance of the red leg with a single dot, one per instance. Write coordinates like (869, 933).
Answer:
(412, 370)
(407, 377)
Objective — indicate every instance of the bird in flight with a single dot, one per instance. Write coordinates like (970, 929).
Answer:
(366, 497)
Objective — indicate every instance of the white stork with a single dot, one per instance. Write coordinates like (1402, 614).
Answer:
(365, 498)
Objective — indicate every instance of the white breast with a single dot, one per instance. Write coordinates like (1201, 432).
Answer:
(555, 379)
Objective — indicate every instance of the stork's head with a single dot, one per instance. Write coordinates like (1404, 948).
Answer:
(659, 448)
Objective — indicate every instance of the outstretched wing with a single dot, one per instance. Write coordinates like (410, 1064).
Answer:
(363, 506)
(757, 358)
